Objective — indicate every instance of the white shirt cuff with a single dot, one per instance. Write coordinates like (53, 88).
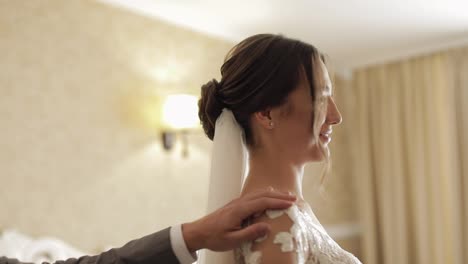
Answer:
(179, 247)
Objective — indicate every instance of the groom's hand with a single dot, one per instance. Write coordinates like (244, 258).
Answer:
(221, 230)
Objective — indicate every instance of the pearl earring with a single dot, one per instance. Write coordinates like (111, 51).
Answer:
(271, 124)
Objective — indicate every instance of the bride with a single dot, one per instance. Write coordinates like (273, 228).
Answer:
(273, 112)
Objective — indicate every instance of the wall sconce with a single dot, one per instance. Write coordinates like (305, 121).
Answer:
(179, 117)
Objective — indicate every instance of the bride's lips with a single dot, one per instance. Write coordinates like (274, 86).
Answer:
(326, 136)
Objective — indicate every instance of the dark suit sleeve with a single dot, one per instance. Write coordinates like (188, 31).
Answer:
(155, 249)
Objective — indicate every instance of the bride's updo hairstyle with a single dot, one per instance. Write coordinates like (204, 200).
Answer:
(258, 73)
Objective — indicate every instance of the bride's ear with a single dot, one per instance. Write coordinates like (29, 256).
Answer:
(263, 118)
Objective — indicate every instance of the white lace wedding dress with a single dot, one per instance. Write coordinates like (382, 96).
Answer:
(306, 237)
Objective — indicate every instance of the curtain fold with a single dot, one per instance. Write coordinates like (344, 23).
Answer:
(460, 71)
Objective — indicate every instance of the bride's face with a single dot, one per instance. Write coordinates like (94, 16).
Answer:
(295, 120)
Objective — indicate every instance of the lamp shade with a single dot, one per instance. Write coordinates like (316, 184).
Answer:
(180, 111)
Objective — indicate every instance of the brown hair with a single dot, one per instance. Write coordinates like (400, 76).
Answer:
(258, 73)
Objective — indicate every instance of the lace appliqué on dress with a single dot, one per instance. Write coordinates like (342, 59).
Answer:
(285, 239)
(309, 240)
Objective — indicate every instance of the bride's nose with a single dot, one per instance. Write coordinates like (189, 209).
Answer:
(333, 114)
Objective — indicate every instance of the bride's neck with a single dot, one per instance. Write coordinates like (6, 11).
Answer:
(267, 169)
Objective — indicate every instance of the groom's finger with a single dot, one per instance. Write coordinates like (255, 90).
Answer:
(259, 205)
(249, 233)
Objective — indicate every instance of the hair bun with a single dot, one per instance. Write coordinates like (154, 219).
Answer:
(209, 107)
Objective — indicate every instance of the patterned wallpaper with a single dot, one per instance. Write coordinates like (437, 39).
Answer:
(80, 157)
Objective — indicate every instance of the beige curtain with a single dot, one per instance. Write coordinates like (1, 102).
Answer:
(410, 147)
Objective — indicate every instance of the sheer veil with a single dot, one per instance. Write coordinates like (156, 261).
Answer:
(228, 167)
